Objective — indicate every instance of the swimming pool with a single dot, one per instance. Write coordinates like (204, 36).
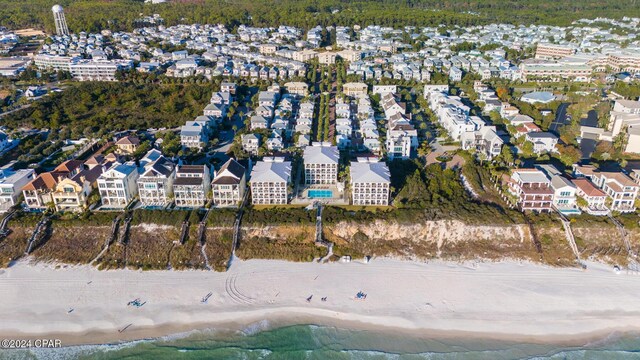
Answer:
(320, 194)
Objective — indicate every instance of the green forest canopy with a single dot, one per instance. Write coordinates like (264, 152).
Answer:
(94, 15)
(97, 108)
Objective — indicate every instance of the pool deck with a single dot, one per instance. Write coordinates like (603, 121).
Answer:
(339, 198)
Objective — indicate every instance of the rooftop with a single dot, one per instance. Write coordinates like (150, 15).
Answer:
(321, 153)
(271, 171)
(370, 172)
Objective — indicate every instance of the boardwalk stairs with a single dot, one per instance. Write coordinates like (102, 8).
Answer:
(38, 234)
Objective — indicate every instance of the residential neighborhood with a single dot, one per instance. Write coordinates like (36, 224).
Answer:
(409, 167)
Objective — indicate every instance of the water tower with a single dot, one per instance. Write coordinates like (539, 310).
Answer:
(61, 22)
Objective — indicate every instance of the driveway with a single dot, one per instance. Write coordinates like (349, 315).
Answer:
(561, 118)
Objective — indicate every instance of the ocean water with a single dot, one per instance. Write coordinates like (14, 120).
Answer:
(259, 341)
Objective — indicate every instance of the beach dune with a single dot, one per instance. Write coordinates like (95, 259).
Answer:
(507, 300)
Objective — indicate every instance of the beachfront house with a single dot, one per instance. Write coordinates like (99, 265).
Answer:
(619, 187)
(594, 198)
(270, 179)
(532, 190)
(191, 186)
(155, 184)
(564, 191)
(228, 186)
(37, 193)
(71, 194)
(117, 185)
(11, 183)
(484, 141)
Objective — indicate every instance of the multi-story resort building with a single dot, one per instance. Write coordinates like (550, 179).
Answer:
(53, 62)
(11, 185)
(98, 70)
(532, 190)
(370, 182)
(270, 179)
(555, 71)
(553, 51)
(92, 70)
(321, 163)
(117, 185)
(191, 186)
(229, 184)
(155, 185)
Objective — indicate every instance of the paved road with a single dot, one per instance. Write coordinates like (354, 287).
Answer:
(14, 110)
(226, 138)
(561, 118)
(48, 86)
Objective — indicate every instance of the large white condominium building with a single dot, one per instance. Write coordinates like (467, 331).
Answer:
(53, 62)
(321, 163)
(370, 182)
(98, 70)
(270, 180)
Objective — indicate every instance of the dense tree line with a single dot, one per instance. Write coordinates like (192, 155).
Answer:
(96, 108)
(94, 15)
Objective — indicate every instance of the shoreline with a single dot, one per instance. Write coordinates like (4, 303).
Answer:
(279, 319)
(451, 315)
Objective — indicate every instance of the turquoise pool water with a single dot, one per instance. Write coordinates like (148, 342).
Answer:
(320, 194)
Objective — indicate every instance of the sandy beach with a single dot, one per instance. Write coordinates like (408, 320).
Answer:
(508, 300)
